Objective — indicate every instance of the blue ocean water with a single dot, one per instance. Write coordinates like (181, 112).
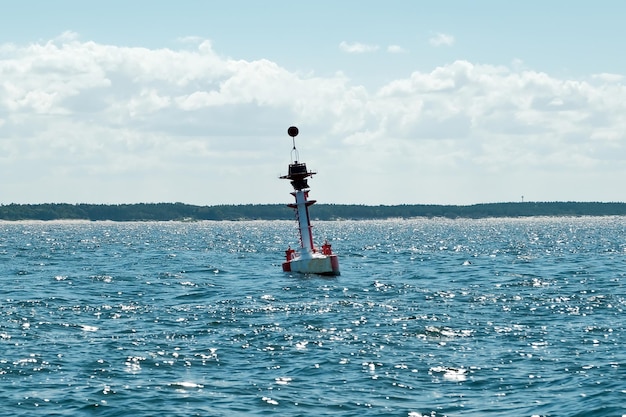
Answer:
(430, 317)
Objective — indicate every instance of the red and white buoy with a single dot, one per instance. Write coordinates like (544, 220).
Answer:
(307, 260)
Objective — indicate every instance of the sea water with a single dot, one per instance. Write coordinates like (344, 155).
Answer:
(430, 317)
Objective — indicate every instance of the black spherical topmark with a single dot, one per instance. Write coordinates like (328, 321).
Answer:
(292, 131)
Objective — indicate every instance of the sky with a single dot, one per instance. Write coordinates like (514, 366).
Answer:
(397, 102)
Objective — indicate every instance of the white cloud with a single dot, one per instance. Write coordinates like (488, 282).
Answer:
(395, 49)
(357, 48)
(609, 78)
(441, 39)
(85, 122)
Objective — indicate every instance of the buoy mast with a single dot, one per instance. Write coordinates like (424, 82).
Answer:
(308, 260)
(298, 175)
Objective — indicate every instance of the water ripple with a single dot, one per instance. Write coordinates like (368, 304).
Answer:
(430, 317)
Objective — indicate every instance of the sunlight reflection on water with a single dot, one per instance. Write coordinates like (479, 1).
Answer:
(430, 317)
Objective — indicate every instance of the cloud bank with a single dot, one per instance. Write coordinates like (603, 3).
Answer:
(87, 122)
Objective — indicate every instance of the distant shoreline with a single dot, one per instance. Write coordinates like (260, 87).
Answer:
(188, 212)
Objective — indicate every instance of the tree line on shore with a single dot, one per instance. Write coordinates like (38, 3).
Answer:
(188, 212)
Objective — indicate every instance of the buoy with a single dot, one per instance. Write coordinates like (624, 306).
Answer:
(307, 259)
